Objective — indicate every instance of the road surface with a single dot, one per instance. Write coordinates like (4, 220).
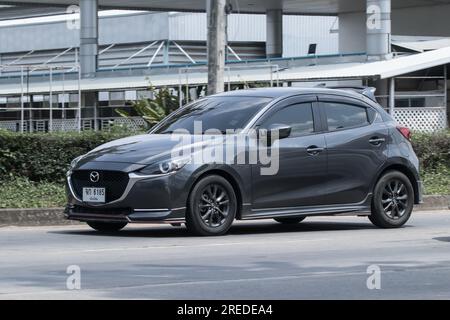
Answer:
(322, 258)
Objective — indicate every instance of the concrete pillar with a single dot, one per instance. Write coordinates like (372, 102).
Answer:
(352, 32)
(88, 37)
(392, 96)
(274, 33)
(378, 26)
(216, 45)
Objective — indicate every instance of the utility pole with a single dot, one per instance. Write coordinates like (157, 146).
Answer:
(216, 44)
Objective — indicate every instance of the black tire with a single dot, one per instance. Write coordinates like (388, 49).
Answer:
(290, 220)
(107, 226)
(393, 200)
(212, 207)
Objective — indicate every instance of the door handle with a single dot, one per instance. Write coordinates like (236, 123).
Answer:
(314, 150)
(377, 141)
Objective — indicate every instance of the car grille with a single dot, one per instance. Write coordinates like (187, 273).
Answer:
(101, 211)
(115, 183)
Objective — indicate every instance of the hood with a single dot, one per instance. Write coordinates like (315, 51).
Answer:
(142, 149)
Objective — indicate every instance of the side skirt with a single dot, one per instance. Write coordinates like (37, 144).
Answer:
(358, 209)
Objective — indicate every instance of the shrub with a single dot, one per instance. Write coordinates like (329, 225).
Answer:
(46, 157)
(433, 150)
(23, 193)
(437, 181)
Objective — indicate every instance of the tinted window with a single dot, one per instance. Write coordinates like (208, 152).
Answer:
(344, 116)
(298, 116)
(219, 113)
(371, 114)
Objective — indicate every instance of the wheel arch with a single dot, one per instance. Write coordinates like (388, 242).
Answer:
(407, 172)
(227, 176)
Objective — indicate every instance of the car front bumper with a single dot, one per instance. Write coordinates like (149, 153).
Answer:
(146, 199)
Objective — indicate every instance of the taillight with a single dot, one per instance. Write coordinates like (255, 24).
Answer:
(405, 132)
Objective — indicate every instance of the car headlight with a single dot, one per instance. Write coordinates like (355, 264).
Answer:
(73, 164)
(165, 167)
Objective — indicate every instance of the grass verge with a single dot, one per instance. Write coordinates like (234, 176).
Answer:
(22, 193)
(437, 181)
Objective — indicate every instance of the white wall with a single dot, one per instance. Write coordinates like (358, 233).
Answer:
(300, 31)
(352, 32)
(422, 21)
(56, 35)
(241, 27)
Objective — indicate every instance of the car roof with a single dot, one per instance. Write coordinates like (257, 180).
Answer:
(275, 93)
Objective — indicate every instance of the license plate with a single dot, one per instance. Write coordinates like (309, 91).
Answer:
(94, 195)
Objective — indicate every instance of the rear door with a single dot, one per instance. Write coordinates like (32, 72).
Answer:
(356, 141)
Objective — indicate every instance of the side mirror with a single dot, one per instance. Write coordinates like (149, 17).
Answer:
(275, 132)
(283, 131)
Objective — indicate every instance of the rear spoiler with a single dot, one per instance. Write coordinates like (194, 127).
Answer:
(368, 92)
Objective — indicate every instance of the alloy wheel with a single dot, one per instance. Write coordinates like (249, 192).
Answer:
(214, 205)
(395, 199)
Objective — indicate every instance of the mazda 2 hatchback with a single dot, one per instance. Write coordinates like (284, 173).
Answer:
(275, 153)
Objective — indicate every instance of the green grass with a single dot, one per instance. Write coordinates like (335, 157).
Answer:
(437, 181)
(22, 193)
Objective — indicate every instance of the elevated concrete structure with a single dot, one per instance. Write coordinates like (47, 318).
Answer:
(88, 37)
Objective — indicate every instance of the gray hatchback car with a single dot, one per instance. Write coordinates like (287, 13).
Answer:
(338, 153)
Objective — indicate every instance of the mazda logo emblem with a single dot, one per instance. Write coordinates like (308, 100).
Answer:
(94, 176)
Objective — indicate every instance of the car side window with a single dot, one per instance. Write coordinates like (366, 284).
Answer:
(345, 116)
(298, 116)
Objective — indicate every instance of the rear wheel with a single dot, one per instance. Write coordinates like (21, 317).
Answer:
(393, 201)
(289, 220)
(212, 207)
(107, 226)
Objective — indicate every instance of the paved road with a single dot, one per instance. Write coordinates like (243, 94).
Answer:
(320, 258)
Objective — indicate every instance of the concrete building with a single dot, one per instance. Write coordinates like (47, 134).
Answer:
(57, 77)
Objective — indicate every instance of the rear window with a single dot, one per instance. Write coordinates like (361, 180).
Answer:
(345, 116)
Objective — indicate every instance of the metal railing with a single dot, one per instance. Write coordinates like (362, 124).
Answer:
(25, 73)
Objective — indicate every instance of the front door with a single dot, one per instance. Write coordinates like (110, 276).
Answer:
(302, 170)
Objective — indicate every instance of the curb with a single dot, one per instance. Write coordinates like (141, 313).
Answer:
(33, 217)
(435, 203)
(55, 216)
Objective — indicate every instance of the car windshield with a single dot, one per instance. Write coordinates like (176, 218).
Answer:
(219, 113)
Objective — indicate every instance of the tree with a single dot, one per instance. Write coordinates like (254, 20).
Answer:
(156, 109)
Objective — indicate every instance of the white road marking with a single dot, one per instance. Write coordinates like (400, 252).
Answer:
(200, 245)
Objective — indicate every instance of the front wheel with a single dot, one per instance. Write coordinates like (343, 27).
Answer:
(107, 226)
(212, 207)
(393, 201)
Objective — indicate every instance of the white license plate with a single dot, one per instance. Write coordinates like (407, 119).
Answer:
(94, 195)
